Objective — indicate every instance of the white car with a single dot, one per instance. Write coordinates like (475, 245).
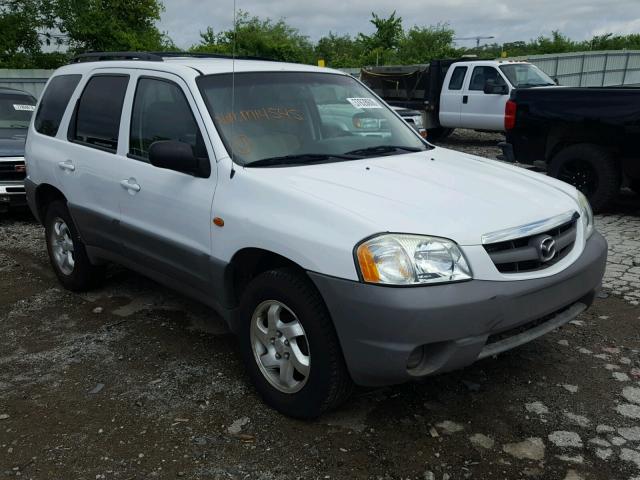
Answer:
(337, 258)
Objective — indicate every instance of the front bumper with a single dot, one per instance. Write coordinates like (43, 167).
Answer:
(12, 194)
(456, 324)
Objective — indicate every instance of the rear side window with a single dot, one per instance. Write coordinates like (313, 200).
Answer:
(97, 118)
(457, 78)
(161, 112)
(54, 103)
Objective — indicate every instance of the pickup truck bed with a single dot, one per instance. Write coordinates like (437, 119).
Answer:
(585, 136)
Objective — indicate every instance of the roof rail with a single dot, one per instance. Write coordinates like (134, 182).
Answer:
(154, 56)
(99, 56)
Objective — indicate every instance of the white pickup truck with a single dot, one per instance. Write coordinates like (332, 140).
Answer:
(455, 94)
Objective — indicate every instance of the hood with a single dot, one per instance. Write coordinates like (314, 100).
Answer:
(438, 192)
(12, 142)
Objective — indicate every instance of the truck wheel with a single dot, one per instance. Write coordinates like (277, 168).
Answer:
(592, 170)
(289, 345)
(67, 252)
(439, 133)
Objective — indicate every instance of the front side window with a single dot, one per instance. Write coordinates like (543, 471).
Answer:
(302, 117)
(523, 75)
(457, 78)
(54, 103)
(161, 112)
(97, 119)
(15, 113)
(481, 75)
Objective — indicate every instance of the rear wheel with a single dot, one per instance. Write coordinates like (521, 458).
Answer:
(591, 169)
(67, 253)
(290, 347)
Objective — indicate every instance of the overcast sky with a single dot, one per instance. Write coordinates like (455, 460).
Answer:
(506, 20)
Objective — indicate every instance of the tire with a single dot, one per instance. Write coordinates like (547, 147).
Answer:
(63, 243)
(591, 169)
(293, 298)
(439, 133)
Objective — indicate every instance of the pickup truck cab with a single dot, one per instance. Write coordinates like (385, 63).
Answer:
(337, 258)
(16, 108)
(456, 94)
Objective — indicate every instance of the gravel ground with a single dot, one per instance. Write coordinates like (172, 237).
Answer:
(133, 381)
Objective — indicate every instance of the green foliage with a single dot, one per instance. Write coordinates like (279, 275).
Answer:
(82, 25)
(422, 44)
(340, 51)
(260, 38)
(388, 33)
(119, 25)
(104, 25)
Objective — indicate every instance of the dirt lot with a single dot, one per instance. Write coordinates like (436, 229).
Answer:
(133, 381)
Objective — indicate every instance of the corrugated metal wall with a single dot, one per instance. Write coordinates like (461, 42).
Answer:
(591, 69)
(585, 69)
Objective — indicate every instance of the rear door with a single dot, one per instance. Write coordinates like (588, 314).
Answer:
(451, 97)
(483, 111)
(90, 161)
(166, 215)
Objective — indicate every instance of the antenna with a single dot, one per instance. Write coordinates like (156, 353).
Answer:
(477, 38)
(233, 87)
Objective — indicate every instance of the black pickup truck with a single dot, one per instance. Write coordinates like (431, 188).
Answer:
(588, 137)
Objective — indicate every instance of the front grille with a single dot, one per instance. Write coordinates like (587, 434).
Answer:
(12, 170)
(522, 254)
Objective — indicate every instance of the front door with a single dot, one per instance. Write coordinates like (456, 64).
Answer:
(483, 111)
(166, 215)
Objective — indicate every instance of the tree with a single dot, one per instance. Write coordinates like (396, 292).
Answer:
(423, 44)
(387, 35)
(339, 51)
(110, 25)
(259, 38)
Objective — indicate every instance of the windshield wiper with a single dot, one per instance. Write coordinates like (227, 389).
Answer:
(382, 149)
(300, 159)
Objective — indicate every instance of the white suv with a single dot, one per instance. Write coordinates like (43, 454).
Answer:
(338, 245)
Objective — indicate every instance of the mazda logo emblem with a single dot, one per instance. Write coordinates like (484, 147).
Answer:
(547, 248)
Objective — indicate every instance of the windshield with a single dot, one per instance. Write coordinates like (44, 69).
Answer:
(303, 116)
(16, 111)
(526, 75)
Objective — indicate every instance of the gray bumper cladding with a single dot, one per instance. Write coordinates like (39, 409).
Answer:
(456, 324)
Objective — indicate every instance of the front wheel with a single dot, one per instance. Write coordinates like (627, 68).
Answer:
(591, 169)
(290, 347)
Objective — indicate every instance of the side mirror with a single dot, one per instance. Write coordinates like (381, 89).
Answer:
(491, 88)
(178, 156)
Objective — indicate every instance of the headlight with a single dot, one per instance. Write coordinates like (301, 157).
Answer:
(396, 259)
(586, 213)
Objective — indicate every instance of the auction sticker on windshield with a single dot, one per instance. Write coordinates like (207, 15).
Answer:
(25, 108)
(364, 103)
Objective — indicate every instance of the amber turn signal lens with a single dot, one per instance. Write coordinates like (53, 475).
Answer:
(367, 265)
(218, 222)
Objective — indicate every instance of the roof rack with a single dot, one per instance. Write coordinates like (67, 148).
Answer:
(153, 56)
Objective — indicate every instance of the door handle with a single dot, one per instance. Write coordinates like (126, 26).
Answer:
(67, 165)
(465, 99)
(131, 185)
